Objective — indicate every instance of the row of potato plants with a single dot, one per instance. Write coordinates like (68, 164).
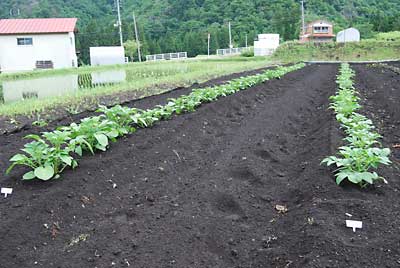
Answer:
(50, 153)
(360, 157)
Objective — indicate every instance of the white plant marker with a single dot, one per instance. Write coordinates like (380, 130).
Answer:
(6, 191)
(354, 224)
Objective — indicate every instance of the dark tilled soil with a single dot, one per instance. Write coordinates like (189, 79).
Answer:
(396, 64)
(61, 116)
(201, 189)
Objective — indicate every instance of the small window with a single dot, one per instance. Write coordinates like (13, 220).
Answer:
(25, 41)
(321, 29)
(29, 95)
(44, 64)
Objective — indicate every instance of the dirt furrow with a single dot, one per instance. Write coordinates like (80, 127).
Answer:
(200, 191)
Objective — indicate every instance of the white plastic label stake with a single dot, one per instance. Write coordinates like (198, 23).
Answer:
(6, 191)
(354, 224)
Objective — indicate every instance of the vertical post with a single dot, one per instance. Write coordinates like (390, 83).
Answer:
(137, 38)
(246, 41)
(303, 23)
(208, 43)
(119, 24)
(230, 36)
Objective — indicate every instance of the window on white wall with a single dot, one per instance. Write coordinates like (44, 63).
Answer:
(321, 29)
(24, 41)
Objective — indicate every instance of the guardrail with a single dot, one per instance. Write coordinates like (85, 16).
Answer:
(231, 51)
(167, 56)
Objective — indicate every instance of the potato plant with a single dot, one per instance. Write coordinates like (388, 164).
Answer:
(51, 152)
(359, 159)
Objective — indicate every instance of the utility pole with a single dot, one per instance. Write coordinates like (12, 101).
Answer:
(137, 38)
(230, 36)
(119, 23)
(208, 42)
(303, 22)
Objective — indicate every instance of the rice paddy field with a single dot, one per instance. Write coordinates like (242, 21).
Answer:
(35, 93)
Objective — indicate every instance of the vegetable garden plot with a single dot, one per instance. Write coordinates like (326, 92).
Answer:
(50, 153)
(201, 190)
(361, 154)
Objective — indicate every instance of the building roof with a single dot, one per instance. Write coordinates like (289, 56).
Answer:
(32, 26)
(320, 23)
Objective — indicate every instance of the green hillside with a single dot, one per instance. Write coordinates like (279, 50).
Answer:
(172, 25)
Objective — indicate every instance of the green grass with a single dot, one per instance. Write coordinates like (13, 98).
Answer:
(384, 46)
(145, 78)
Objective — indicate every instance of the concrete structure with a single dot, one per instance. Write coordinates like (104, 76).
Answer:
(28, 44)
(266, 44)
(348, 35)
(107, 56)
(319, 31)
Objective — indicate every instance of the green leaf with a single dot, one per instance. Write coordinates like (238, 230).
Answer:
(78, 150)
(113, 134)
(340, 177)
(368, 177)
(18, 157)
(74, 164)
(102, 139)
(355, 177)
(29, 176)
(100, 147)
(44, 173)
(34, 137)
(66, 159)
(11, 167)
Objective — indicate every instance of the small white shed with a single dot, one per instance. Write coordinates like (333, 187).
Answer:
(348, 35)
(266, 44)
(107, 55)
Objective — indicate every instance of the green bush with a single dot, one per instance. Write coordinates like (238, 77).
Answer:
(248, 53)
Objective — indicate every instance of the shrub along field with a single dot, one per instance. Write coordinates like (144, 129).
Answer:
(226, 175)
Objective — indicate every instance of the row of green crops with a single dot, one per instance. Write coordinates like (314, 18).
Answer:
(362, 154)
(50, 153)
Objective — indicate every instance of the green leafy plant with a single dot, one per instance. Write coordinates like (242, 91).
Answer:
(354, 164)
(51, 152)
(45, 161)
(357, 161)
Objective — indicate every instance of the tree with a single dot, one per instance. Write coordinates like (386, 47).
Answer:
(131, 49)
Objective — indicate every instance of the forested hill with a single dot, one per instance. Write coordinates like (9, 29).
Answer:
(172, 25)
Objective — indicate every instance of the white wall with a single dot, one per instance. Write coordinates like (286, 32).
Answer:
(266, 44)
(58, 48)
(107, 56)
(348, 35)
